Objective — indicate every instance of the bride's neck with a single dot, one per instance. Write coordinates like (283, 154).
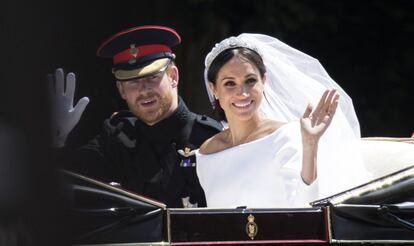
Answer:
(243, 131)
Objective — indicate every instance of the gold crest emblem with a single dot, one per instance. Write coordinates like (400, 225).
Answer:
(251, 227)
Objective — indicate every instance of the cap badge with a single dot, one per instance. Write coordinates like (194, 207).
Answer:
(133, 51)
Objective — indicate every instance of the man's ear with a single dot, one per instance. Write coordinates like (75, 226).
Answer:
(121, 90)
(174, 75)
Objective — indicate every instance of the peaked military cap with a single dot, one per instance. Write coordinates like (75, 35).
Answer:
(140, 51)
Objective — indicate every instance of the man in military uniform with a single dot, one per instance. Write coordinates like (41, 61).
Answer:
(150, 148)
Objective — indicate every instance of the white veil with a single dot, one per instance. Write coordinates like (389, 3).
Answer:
(293, 79)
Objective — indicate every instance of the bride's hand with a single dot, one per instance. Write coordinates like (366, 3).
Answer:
(315, 121)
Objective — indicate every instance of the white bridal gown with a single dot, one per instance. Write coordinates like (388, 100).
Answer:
(265, 173)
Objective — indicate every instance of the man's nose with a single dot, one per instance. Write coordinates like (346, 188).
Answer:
(145, 84)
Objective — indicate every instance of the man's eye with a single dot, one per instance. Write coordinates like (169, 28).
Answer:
(132, 82)
(153, 78)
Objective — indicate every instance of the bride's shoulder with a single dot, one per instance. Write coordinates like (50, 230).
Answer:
(214, 144)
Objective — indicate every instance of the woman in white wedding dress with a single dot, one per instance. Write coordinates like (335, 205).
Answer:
(278, 149)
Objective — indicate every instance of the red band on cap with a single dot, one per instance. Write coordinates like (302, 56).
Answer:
(140, 51)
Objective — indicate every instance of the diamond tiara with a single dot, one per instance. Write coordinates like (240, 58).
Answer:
(228, 43)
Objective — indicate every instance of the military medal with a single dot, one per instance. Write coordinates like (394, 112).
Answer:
(188, 159)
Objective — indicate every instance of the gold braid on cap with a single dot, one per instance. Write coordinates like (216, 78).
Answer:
(228, 43)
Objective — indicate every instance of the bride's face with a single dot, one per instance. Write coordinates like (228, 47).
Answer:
(239, 89)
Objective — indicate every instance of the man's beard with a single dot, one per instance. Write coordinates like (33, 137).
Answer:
(156, 115)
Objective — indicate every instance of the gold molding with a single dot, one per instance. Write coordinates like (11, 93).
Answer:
(372, 241)
(128, 244)
(329, 223)
(168, 225)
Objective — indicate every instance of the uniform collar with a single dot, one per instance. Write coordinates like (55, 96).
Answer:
(165, 130)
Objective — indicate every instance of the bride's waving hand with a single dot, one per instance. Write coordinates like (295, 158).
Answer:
(313, 124)
(315, 121)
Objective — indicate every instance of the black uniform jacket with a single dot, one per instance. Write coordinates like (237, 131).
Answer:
(154, 161)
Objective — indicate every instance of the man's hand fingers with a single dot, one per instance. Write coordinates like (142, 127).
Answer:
(59, 81)
(70, 84)
(80, 107)
(70, 87)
